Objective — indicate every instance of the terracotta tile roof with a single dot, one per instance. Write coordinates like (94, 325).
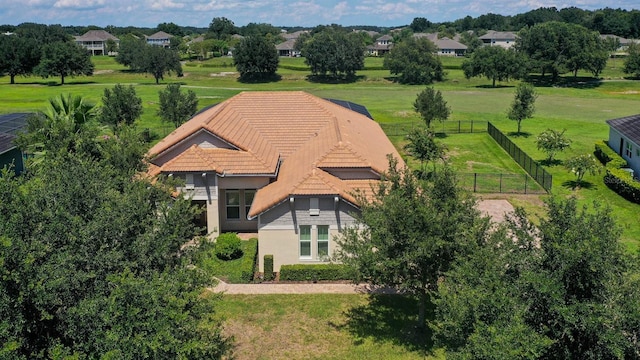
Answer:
(303, 133)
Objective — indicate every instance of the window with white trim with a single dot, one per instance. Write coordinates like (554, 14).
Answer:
(628, 149)
(232, 202)
(248, 200)
(305, 241)
(323, 242)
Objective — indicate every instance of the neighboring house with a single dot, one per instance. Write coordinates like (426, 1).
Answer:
(286, 165)
(10, 155)
(445, 46)
(382, 46)
(623, 43)
(506, 39)
(160, 38)
(624, 138)
(294, 35)
(287, 48)
(95, 41)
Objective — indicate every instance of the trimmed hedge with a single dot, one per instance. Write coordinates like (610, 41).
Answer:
(315, 272)
(268, 267)
(249, 260)
(622, 183)
(608, 156)
(228, 246)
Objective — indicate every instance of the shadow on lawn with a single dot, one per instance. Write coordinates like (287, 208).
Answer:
(390, 318)
(576, 185)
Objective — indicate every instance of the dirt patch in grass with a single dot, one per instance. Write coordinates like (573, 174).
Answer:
(100, 72)
(254, 339)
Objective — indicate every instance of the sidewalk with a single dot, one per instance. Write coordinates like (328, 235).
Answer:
(321, 288)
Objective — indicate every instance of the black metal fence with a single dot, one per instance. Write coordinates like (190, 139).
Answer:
(500, 183)
(445, 127)
(532, 167)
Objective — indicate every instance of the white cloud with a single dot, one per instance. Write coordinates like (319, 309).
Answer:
(79, 4)
(166, 5)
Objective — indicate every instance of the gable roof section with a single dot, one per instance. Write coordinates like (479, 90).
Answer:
(498, 35)
(160, 35)
(287, 45)
(446, 43)
(96, 35)
(291, 134)
(628, 126)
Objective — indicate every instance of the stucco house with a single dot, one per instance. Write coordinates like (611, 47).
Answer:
(95, 41)
(159, 38)
(382, 46)
(287, 48)
(624, 138)
(506, 39)
(286, 165)
(445, 45)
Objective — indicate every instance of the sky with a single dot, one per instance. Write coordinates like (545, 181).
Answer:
(199, 13)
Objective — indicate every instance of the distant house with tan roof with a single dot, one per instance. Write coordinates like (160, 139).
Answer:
(382, 46)
(287, 48)
(283, 164)
(445, 46)
(160, 38)
(506, 39)
(95, 41)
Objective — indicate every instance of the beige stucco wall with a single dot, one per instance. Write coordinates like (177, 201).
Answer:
(213, 218)
(284, 246)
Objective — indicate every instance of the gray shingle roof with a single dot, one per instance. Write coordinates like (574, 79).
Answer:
(10, 125)
(628, 126)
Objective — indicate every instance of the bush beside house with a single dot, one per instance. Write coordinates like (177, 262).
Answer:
(616, 178)
(315, 272)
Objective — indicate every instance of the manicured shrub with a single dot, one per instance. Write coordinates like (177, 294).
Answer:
(608, 156)
(268, 267)
(622, 183)
(228, 246)
(249, 260)
(315, 272)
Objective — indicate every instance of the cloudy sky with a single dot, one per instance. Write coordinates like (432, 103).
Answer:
(150, 13)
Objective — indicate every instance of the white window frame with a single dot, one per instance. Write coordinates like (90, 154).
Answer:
(323, 241)
(306, 241)
(628, 149)
(227, 205)
(247, 207)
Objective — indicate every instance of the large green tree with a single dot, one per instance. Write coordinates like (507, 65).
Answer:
(93, 261)
(64, 59)
(221, 28)
(523, 105)
(414, 61)
(175, 106)
(18, 56)
(431, 106)
(120, 106)
(256, 57)
(495, 63)
(632, 62)
(334, 51)
(411, 232)
(557, 47)
(151, 59)
(557, 290)
(159, 61)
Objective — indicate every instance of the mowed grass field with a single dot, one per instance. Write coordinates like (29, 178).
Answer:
(360, 326)
(580, 106)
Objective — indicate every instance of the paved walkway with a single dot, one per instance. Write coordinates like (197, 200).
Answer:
(320, 288)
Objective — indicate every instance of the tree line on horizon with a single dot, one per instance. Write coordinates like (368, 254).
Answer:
(620, 22)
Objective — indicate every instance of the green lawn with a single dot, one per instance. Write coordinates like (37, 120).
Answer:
(580, 105)
(325, 326)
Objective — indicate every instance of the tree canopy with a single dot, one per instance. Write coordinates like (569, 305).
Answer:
(142, 57)
(523, 105)
(255, 57)
(120, 106)
(632, 62)
(64, 59)
(18, 56)
(334, 51)
(93, 258)
(175, 106)
(431, 106)
(558, 47)
(495, 63)
(411, 232)
(413, 61)
(560, 289)
(221, 28)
